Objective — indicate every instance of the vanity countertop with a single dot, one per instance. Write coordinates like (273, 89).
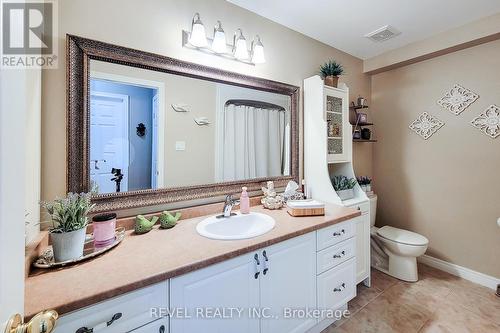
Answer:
(142, 260)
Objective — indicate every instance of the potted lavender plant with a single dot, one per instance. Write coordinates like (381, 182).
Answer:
(69, 224)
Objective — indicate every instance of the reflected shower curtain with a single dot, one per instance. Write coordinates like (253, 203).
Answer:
(254, 143)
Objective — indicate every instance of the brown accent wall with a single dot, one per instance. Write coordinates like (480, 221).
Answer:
(447, 187)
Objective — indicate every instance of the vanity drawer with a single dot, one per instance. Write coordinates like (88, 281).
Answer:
(335, 234)
(134, 307)
(159, 326)
(334, 255)
(364, 207)
(337, 286)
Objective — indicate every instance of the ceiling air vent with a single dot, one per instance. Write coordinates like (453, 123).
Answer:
(383, 34)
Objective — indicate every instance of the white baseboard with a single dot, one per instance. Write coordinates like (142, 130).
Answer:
(460, 271)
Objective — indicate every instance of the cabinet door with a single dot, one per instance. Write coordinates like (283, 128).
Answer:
(208, 295)
(337, 125)
(362, 247)
(289, 283)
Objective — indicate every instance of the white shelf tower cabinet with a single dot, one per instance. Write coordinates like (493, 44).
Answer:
(329, 152)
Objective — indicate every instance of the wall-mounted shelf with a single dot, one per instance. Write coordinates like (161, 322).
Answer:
(357, 107)
(362, 140)
(362, 124)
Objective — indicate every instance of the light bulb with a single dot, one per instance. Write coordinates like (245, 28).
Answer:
(240, 50)
(219, 42)
(258, 51)
(198, 37)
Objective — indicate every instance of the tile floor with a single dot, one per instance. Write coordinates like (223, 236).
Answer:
(438, 302)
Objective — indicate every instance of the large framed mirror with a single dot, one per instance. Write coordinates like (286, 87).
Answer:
(145, 129)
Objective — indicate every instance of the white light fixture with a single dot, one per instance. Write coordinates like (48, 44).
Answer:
(198, 37)
(258, 51)
(240, 50)
(219, 42)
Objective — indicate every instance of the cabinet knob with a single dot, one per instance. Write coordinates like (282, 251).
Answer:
(340, 255)
(339, 288)
(336, 234)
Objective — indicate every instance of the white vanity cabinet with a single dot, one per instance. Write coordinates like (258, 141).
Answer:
(130, 312)
(263, 282)
(264, 291)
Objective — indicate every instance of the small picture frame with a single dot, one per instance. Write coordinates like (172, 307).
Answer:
(362, 118)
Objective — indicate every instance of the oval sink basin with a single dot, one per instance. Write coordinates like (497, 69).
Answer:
(240, 226)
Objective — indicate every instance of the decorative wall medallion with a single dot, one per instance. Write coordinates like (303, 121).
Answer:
(426, 125)
(457, 99)
(488, 121)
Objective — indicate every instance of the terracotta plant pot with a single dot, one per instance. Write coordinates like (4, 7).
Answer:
(332, 81)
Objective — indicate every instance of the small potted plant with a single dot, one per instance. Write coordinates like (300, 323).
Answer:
(69, 225)
(344, 187)
(330, 73)
(368, 182)
(362, 182)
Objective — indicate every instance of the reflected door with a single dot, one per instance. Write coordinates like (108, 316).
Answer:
(109, 140)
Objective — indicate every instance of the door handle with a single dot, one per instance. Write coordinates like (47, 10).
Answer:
(43, 322)
(266, 259)
(100, 326)
(257, 264)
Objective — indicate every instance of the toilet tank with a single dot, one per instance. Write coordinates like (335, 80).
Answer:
(373, 209)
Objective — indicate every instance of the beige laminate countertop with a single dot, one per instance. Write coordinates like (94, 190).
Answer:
(142, 260)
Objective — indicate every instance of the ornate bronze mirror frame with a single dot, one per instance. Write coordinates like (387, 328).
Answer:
(80, 51)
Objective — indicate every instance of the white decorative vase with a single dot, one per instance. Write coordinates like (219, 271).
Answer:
(368, 187)
(364, 188)
(68, 245)
(346, 194)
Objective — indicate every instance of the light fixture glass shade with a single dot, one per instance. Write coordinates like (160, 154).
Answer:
(198, 37)
(240, 50)
(258, 51)
(219, 43)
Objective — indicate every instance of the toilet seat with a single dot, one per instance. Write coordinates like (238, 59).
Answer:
(402, 236)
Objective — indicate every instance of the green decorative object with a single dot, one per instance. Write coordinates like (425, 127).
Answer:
(143, 225)
(168, 221)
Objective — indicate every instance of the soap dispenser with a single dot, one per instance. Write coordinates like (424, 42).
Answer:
(244, 201)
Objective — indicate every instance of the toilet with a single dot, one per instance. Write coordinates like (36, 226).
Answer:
(394, 251)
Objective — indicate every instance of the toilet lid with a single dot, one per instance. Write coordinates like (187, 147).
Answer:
(402, 236)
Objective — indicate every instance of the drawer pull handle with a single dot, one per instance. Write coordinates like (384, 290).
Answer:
(339, 255)
(162, 329)
(115, 317)
(336, 234)
(339, 288)
(359, 208)
(257, 264)
(266, 259)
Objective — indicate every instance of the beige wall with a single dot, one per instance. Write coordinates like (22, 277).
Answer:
(155, 26)
(446, 188)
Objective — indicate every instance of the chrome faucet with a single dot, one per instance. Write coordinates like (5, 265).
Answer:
(228, 206)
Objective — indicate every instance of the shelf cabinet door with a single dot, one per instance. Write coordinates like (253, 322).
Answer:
(228, 285)
(289, 282)
(338, 129)
(362, 247)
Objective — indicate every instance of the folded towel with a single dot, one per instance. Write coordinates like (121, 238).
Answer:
(305, 204)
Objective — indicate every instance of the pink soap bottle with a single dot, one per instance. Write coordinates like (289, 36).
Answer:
(244, 201)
